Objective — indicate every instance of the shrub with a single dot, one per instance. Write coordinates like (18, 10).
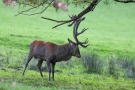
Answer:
(111, 65)
(114, 66)
(128, 67)
(92, 63)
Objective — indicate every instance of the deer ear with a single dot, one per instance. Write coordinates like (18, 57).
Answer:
(71, 43)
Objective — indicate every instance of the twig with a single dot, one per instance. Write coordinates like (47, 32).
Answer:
(22, 12)
(85, 11)
(125, 1)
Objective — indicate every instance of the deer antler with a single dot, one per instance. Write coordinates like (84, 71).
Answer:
(75, 33)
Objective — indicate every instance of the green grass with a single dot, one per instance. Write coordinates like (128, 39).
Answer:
(63, 81)
(111, 29)
(18, 86)
(111, 32)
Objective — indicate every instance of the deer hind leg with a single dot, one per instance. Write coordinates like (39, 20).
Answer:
(13, 4)
(56, 9)
(29, 58)
(39, 66)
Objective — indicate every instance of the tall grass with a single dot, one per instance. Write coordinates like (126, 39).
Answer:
(117, 66)
(92, 63)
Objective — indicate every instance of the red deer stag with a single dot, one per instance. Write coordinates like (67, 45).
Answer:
(60, 5)
(52, 53)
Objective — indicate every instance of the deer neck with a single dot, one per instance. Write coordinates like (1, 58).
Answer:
(65, 52)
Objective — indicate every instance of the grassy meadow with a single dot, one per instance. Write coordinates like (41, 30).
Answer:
(111, 37)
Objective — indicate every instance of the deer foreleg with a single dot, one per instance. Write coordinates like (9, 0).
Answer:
(56, 9)
(39, 66)
(53, 66)
(49, 69)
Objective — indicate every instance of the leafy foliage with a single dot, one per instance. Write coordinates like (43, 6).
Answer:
(44, 2)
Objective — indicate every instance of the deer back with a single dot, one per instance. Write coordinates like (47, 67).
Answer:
(7, 2)
(60, 5)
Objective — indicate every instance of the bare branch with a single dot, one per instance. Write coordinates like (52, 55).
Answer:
(52, 19)
(22, 12)
(85, 11)
(125, 1)
(82, 31)
(85, 42)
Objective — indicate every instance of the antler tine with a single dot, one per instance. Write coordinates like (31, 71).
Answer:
(84, 46)
(75, 33)
(85, 42)
(82, 31)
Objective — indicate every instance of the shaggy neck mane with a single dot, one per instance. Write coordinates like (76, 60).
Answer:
(64, 51)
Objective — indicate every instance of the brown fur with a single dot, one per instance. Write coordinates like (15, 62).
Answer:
(60, 5)
(10, 2)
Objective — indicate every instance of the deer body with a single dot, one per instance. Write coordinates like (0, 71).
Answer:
(53, 52)
(10, 2)
(7, 2)
(60, 5)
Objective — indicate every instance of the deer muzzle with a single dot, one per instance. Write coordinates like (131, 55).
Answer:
(78, 55)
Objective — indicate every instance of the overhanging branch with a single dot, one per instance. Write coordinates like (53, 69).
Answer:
(35, 7)
(85, 11)
(125, 1)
